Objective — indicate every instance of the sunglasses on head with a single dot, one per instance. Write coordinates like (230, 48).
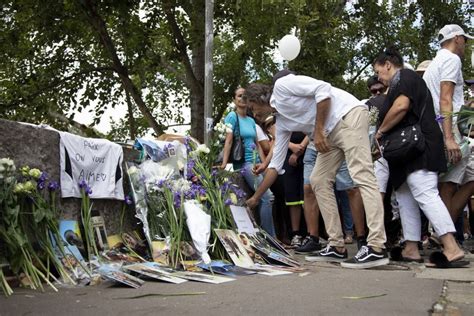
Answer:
(379, 90)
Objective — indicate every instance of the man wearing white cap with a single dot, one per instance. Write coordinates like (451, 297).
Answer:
(445, 82)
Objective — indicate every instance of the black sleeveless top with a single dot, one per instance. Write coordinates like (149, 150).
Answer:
(406, 82)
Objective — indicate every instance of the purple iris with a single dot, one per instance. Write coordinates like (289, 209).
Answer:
(240, 193)
(42, 181)
(189, 168)
(161, 183)
(225, 186)
(53, 186)
(40, 185)
(87, 189)
(43, 177)
(214, 172)
(82, 184)
(177, 199)
(187, 141)
(128, 200)
(228, 202)
(439, 118)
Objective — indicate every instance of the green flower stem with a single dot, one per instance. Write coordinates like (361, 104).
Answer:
(88, 228)
(7, 290)
(175, 222)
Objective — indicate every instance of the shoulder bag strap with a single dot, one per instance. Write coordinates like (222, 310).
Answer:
(237, 126)
(424, 105)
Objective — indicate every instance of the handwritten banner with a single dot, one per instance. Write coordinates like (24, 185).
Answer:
(96, 161)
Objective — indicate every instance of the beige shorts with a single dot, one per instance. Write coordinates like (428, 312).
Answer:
(469, 174)
(456, 174)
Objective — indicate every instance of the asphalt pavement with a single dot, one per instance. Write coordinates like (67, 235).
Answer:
(322, 289)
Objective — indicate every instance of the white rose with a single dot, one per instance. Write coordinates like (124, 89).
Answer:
(132, 170)
(202, 148)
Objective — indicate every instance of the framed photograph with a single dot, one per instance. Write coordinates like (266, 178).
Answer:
(225, 268)
(242, 220)
(100, 232)
(272, 241)
(234, 248)
(245, 240)
(204, 277)
(192, 276)
(269, 253)
(161, 251)
(149, 269)
(115, 274)
(171, 151)
(270, 270)
(71, 234)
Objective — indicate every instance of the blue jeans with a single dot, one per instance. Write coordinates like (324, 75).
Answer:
(343, 178)
(346, 211)
(265, 207)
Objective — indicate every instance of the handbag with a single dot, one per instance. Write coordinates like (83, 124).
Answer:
(404, 143)
(237, 149)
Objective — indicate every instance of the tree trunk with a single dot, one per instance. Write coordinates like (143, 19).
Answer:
(198, 27)
(194, 68)
(99, 25)
(197, 93)
(131, 119)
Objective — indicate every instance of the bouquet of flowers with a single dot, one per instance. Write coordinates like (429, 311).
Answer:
(219, 191)
(25, 217)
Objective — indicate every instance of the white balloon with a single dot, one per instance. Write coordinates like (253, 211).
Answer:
(289, 47)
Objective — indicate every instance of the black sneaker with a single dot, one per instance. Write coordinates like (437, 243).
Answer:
(328, 254)
(366, 258)
(309, 245)
(296, 241)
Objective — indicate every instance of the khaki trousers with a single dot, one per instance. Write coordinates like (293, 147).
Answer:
(350, 141)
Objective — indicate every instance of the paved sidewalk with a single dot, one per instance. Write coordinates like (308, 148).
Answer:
(324, 289)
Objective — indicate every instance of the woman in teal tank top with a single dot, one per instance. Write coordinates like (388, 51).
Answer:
(247, 130)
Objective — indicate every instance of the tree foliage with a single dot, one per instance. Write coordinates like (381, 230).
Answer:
(59, 57)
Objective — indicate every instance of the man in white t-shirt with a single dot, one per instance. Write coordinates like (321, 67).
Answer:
(338, 123)
(445, 82)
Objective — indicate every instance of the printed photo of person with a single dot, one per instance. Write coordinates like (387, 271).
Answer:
(234, 248)
(71, 235)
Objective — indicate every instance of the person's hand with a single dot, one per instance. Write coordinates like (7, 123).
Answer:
(292, 147)
(252, 202)
(297, 148)
(321, 141)
(378, 135)
(375, 151)
(222, 166)
(293, 160)
(259, 168)
(453, 150)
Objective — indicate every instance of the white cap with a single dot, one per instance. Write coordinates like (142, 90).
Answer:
(451, 30)
(423, 65)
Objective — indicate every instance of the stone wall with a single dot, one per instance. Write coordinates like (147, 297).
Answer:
(38, 147)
